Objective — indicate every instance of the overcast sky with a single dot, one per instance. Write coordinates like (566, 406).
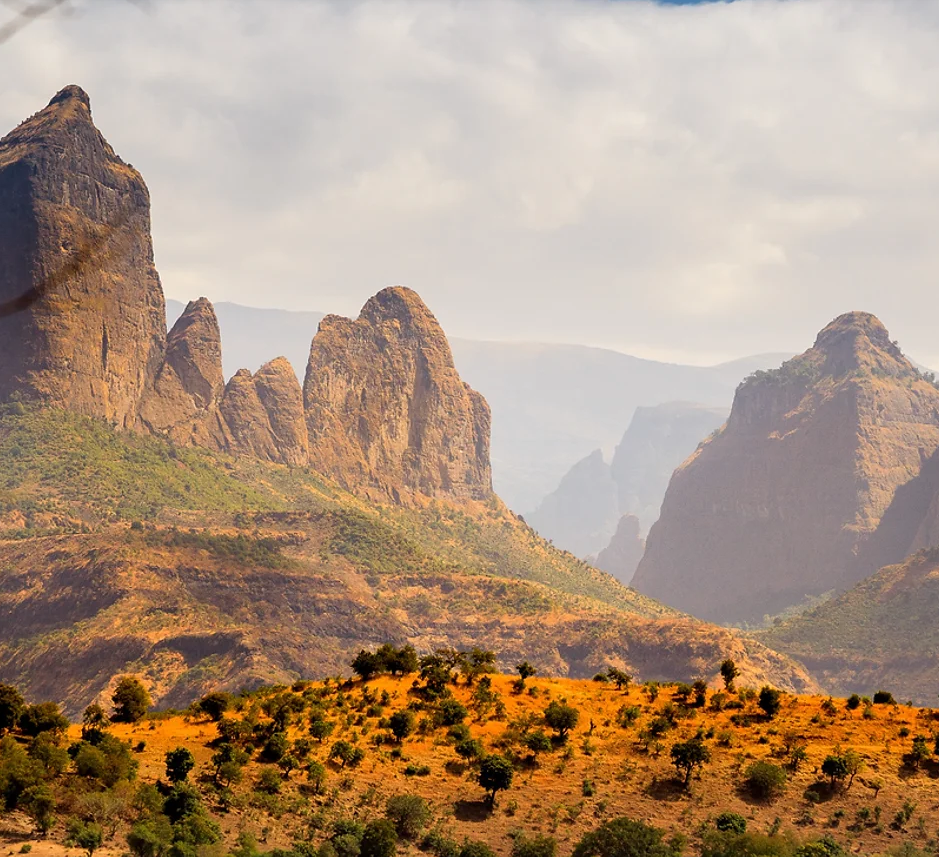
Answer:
(684, 182)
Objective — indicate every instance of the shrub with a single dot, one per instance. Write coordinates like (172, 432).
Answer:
(85, 835)
(408, 813)
(402, 724)
(627, 715)
(475, 848)
(316, 776)
(44, 717)
(269, 781)
(884, 697)
(729, 673)
(150, 837)
(214, 705)
(379, 839)
(764, 780)
(534, 846)
(625, 837)
(451, 712)
(731, 822)
(854, 702)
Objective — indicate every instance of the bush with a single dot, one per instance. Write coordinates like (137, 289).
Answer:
(402, 724)
(379, 839)
(731, 822)
(534, 846)
(625, 837)
(179, 763)
(44, 717)
(408, 813)
(451, 712)
(764, 780)
(475, 848)
(687, 756)
(884, 697)
(854, 702)
(85, 835)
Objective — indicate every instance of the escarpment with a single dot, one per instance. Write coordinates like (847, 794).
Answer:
(776, 507)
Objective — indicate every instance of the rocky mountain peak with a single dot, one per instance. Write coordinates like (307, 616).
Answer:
(194, 352)
(856, 340)
(75, 252)
(387, 412)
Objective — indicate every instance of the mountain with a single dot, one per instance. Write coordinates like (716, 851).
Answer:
(777, 505)
(157, 520)
(622, 555)
(76, 258)
(881, 633)
(386, 409)
(581, 515)
(556, 405)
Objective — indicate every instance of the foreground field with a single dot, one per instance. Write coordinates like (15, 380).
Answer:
(616, 761)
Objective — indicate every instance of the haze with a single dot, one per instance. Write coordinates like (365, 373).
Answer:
(683, 182)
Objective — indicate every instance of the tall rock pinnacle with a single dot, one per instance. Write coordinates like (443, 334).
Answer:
(386, 410)
(76, 263)
(775, 508)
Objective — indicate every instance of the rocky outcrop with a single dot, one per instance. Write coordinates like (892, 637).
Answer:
(622, 555)
(387, 412)
(657, 441)
(84, 322)
(183, 399)
(580, 515)
(776, 507)
(281, 397)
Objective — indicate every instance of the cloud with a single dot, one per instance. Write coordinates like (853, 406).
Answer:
(692, 181)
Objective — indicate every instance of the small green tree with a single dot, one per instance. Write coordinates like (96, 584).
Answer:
(11, 707)
(729, 673)
(764, 780)
(525, 672)
(131, 700)
(495, 775)
(214, 705)
(688, 756)
(402, 724)
(43, 717)
(85, 835)
(561, 718)
(770, 700)
(316, 777)
(40, 805)
(537, 742)
(179, 763)
(835, 767)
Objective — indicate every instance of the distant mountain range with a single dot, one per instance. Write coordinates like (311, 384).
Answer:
(552, 404)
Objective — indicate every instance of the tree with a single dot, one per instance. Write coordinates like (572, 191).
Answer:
(179, 763)
(729, 673)
(561, 718)
(131, 700)
(214, 705)
(770, 701)
(625, 837)
(150, 837)
(920, 751)
(451, 711)
(367, 664)
(537, 742)
(379, 839)
(525, 672)
(316, 776)
(884, 697)
(11, 707)
(495, 775)
(94, 724)
(835, 767)
(469, 749)
(44, 717)
(321, 729)
(687, 756)
(402, 724)
(344, 753)
(40, 804)
(700, 688)
(477, 662)
(87, 835)
(854, 702)
(408, 813)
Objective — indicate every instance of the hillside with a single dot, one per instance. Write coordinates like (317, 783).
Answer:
(285, 789)
(774, 509)
(880, 633)
(122, 552)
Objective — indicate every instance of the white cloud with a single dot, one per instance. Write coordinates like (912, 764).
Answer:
(696, 181)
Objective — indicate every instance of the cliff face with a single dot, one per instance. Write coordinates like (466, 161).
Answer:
(387, 412)
(581, 514)
(75, 252)
(622, 555)
(777, 505)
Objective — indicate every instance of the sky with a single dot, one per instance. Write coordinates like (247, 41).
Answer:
(686, 182)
